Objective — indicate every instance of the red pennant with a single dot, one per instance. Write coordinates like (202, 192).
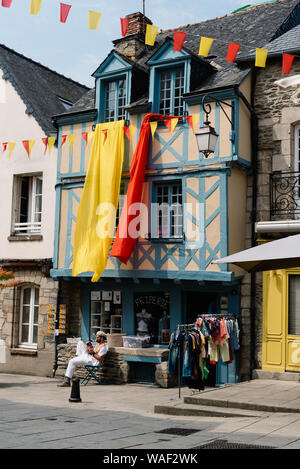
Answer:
(4, 146)
(6, 3)
(179, 38)
(232, 51)
(124, 25)
(26, 146)
(63, 140)
(189, 120)
(45, 141)
(287, 62)
(85, 137)
(64, 12)
(127, 131)
(105, 135)
(168, 124)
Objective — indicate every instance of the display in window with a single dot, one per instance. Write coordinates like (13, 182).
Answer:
(152, 317)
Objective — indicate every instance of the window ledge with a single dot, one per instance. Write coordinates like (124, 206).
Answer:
(166, 240)
(23, 351)
(25, 238)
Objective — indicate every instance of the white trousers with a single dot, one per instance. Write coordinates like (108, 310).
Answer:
(82, 358)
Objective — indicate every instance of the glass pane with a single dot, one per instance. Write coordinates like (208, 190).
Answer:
(294, 305)
(26, 315)
(36, 315)
(26, 296)
(35, 335)
(25, 334)
(37, 297)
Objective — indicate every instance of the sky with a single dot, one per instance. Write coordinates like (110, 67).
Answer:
(76, 51)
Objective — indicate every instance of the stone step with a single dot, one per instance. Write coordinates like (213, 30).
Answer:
(223, 403)
(190, 410)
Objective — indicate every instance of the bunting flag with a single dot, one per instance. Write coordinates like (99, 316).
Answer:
(35, 7)
(4, 146)
(85, 138)
(94, 19)
(205, 46)
(179, 38)
(193, 120)
(28, 145)
(171, 124)
(153, 127)
(51, 141)
(124, 25)
(45, 141)
(90, 137)
(151, 33)
(71, 139)
(232, 51)
(6, 3)
(287, 62)
(11, 147)
(63, 140)
(64, 12)
(261, 57)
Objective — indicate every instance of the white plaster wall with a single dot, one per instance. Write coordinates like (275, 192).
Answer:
(16, 125)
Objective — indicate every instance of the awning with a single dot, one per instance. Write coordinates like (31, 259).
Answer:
(280, 254)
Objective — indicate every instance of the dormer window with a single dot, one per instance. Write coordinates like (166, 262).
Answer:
(115, 100)
(171, 91)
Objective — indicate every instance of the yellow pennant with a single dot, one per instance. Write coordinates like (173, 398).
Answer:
(51, 141)
(261, 57)
(94, 19)
(174, 122)
(205, 45)
(153, 126)
(132, 130)
(90, 137)
(151, 33)
(71, 139)
(11, 147)
(35, 7)
(31, 143)
(195, 118)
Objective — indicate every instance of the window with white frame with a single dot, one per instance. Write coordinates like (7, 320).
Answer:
(28, 195)
(29, 316)
(168, 211)
(171, 91)
(115, 100)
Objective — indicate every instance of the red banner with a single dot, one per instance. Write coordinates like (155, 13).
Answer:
(232, 51)
(124, 25)
(179, 38)
(64, 12)
(287, 62)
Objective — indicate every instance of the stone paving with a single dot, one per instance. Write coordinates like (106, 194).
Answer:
(35, 414)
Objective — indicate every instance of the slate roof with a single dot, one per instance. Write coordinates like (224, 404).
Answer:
(252, 27)
(39, 87)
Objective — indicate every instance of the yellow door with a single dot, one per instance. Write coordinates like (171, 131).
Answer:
(293, 321)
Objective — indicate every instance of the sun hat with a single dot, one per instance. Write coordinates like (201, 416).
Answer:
(101, 334)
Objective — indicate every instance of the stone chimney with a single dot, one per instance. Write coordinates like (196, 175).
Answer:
(134, 42)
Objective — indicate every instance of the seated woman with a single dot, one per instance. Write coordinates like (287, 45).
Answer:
(86, 355)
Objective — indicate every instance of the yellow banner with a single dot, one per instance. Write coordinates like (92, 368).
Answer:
(261, 57)
(94, 19)
(205, 45)
(151, 33)
(98, 204)
(35, 7)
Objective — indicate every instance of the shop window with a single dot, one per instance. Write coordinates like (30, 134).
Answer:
(115, 100)
(171, 90)
(28, 194)
(106, 312)
(167, 216)
(29, 316)
(152, 316)
(294, 305)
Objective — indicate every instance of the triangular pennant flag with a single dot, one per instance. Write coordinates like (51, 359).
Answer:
(4, 146)
(151, 33)
(127, 131)
(189, 120)
(63, 140)
(94, 19)
(174, 122)
(232, 51)
(195, 120)
(85, 137)
(105, 135)
(179, 38)
(261, 57)
(124, 25)
(45, 141)
(11, 147)
(51, 141)
(132, 131)
(71, 139)
(168, 124)
(6, 3)
(28, 144)
(205, 45)
(35, 7)
(64, 12)
(287, 62)
(153, 127)
(90, 137)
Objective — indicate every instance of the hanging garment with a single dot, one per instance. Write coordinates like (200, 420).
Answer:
(98, 204)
